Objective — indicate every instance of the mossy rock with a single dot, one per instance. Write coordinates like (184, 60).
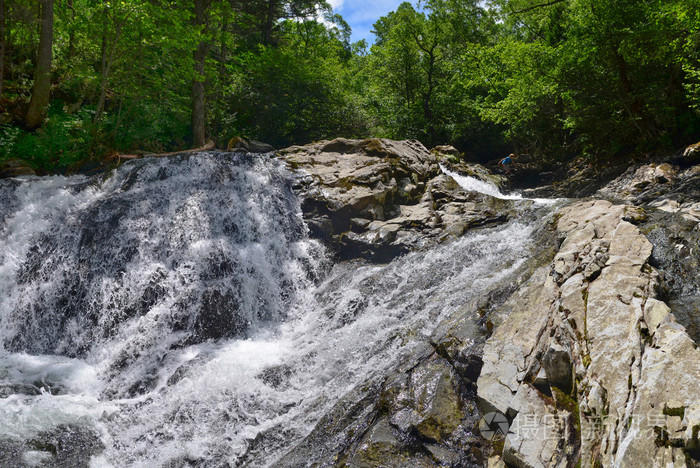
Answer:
(15, 168)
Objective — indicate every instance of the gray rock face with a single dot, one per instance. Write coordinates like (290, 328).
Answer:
(431, 404)
(639, 179)
(668, 201)
(248, 146)
(15, 168)
(376, 198)
(381, 447)
(675, 254)
(622, 373)
(417, 417)
(447, 150)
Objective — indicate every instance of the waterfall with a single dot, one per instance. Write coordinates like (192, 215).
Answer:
(472, 184)
(177, 310)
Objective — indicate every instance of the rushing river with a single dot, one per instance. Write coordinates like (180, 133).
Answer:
(176, 313)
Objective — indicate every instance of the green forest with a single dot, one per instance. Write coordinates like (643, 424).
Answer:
(81, 80)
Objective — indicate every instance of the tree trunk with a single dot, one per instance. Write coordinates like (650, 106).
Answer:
(71, 34)
(108, 55)
(428, 96)
(634, 105)
(2, 44)
(430, 75)
(223, 50)
(42, 77)
(103, 77)
(200, 55)
(269, 22)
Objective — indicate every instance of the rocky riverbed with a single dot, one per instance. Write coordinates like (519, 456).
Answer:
(419, 316)
(590, 360)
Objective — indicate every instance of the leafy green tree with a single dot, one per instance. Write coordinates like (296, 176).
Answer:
(294, 92)
(395, 58)
(687, 47)
(592, 76)
(2, 44)
(420, 57)
(554, 78)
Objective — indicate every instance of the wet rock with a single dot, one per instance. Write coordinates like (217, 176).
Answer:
(339, 430)
(675, 254)
(248, 146)
(397, 424)
(417, 417)
(443, 456)
(15, 168)
(434, 409)
(66, 446)
(381, 447)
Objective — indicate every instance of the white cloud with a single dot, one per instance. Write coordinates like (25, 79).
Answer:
(336, 4)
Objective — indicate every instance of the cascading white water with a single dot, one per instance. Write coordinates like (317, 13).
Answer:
(473, 184)
(175, 310)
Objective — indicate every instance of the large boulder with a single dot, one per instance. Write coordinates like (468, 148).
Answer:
(447, 151)
(657, 185)
(248, 146)
(430, 403)
(381, 447)
(638, 180)
(15, 168)
(672, 228)
(376, 198)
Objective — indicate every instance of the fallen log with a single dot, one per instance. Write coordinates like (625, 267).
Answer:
(209, 146)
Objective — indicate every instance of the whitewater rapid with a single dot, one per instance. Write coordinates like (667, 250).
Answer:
(178, 311)
(472, 184)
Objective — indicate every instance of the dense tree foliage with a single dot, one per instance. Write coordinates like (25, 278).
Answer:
(553, 78)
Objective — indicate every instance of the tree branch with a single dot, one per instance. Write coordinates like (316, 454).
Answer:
(541, 5)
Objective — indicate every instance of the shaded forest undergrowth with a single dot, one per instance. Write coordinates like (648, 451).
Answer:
(568, 83)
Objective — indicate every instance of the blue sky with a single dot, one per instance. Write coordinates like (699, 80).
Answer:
(362, 14)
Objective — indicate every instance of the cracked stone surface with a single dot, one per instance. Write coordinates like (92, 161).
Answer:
(636, 369)
(377, 199)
